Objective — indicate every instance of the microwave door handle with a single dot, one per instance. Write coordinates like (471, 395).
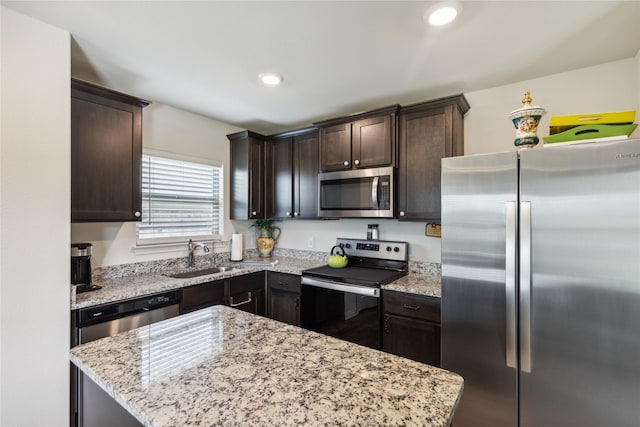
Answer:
(374, 192)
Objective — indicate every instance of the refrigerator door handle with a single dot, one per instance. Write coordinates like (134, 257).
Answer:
(510, 283)
(525, 286)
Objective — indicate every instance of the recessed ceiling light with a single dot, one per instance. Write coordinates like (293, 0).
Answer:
(442, 13)
(271, 79)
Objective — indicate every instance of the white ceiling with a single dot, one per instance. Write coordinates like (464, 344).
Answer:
(337, 57)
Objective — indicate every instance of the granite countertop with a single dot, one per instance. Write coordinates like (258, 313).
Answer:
(417, 283)
(222, 366)
(139, 285)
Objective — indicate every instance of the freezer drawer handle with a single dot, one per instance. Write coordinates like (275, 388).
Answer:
(510, 284)
(525, 287)
(247, 301)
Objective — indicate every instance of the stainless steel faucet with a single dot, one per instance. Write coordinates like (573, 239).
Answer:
(192, 246)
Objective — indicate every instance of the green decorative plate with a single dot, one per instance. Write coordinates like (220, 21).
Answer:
(590, 132)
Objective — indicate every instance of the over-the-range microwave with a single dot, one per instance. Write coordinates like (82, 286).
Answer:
(361, 193)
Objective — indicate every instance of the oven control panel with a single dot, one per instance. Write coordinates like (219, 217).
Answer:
(380, 249)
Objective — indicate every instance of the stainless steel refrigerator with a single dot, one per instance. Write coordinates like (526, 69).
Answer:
(541, 285)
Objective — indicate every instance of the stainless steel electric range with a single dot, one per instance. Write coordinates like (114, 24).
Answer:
(345, 302)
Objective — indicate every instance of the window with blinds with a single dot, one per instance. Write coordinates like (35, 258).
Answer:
(180, 200)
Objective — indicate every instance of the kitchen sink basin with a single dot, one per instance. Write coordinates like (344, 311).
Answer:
(201, 272)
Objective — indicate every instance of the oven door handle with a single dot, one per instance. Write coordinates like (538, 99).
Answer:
(353, 289)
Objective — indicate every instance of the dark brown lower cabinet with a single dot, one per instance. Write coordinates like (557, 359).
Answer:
(246, 293)
(411, 326)
(202, 296)
(283, 297)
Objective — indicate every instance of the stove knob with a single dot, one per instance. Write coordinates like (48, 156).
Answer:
(347, 245)
(388, 248)
(396, 249)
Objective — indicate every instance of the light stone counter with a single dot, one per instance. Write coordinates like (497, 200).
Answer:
(417, 283)
(154, 281)
(139, 280)
(221, 366)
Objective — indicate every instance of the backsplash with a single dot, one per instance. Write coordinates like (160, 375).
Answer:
(222, 258)
(420, 267)
(200, 261)
(158, 266)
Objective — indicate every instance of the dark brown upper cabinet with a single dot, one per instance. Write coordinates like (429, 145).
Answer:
(106, 154)
(292, 175)
(427, 133)
(360, 141)
(247, 175)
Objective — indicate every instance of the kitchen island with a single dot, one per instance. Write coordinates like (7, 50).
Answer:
(221, 366)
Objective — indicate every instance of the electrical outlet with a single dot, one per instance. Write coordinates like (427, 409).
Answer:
(433, 230)
(311, 243)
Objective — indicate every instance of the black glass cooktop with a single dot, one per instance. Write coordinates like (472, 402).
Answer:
(363, 276)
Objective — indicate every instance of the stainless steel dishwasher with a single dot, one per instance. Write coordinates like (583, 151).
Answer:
(90, 405)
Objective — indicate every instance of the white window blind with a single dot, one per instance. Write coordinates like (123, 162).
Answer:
(180, 200)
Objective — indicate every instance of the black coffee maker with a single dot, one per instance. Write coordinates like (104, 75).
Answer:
(81, 267)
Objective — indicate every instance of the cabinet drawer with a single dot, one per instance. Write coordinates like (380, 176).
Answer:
(202, 296)
(411, 305)
(245, 283)
(284, 282)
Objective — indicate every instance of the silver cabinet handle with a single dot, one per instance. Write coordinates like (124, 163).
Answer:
(525, 286)
(346, 163)
(357, 162)
(510, 284)
(401, 213)
(247, 301)
(137, 214)
(411, 307)
(254, 213)
(296, 214)
(288, 213)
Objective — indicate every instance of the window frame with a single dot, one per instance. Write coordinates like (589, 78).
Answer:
(178, 240)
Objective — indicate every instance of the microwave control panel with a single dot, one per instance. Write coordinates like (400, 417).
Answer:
(385, 193)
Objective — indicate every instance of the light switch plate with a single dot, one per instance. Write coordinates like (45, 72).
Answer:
(433, 230)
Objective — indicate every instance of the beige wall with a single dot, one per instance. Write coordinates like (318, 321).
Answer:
(613, 86)
(171, 130)
(608, 87)
(35, 211)
(636, 133)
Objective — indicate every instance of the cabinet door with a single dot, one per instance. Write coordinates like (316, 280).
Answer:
(372, 143)
(335, 148)
(283, 298)
(246, 293)
(256, 178)
(284, 306)
(305, 170)
(412, 338)
(247, 175)
(202, 296)
(106, 153)
(279, 192)
(425, 138)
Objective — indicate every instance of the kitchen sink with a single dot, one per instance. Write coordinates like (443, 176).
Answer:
(201, 272)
